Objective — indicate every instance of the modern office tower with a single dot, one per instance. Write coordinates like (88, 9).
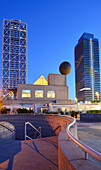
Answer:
(14, 54)
(87, 68)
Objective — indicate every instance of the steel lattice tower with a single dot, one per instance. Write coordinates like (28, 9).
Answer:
(14, 54)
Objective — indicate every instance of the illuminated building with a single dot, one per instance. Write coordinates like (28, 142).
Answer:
(87, 68)
(41, 93)
(14, 54)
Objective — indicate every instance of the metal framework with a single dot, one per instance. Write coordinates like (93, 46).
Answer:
(14, 54)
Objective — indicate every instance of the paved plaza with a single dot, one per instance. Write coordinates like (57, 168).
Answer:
(35, 155)
(43, 154)
(90, 134)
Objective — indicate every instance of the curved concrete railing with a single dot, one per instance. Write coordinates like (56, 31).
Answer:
(70, 156)
(83, 146)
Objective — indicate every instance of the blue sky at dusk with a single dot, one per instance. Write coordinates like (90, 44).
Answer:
(54, 27)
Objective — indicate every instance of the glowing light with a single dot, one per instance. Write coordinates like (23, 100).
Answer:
(97, 95)
(26, 93)
(41, 81)
(50, 94)
(85, 89)
(92, 74)
(38, 93)
(63, 109)
(76, 100)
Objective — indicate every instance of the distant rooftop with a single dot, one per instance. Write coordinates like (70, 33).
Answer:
(16, 20)
(86, 35)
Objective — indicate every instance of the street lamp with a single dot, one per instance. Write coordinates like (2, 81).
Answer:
(97, 95)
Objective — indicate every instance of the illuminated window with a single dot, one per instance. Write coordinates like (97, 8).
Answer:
(39, 93)
(26, 93)
(50, 94)
(41, 81)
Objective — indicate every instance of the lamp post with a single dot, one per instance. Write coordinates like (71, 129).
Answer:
(97, 95)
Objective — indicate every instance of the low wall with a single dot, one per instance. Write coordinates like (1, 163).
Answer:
(51, 124)
(90, 117)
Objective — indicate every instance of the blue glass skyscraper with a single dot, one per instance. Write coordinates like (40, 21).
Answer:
(14, 54)
(87, 68)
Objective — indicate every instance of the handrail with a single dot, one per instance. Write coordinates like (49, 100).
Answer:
(36, 133)
(26, 136)
(87, 149)
(7, 127)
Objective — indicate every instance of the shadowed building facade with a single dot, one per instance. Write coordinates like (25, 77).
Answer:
(14, 54)
(87, 68)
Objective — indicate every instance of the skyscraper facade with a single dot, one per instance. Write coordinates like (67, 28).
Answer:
(87, 68)
(14, 54)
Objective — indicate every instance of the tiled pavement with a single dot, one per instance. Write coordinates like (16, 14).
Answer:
(90, 134)
(34, 155)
